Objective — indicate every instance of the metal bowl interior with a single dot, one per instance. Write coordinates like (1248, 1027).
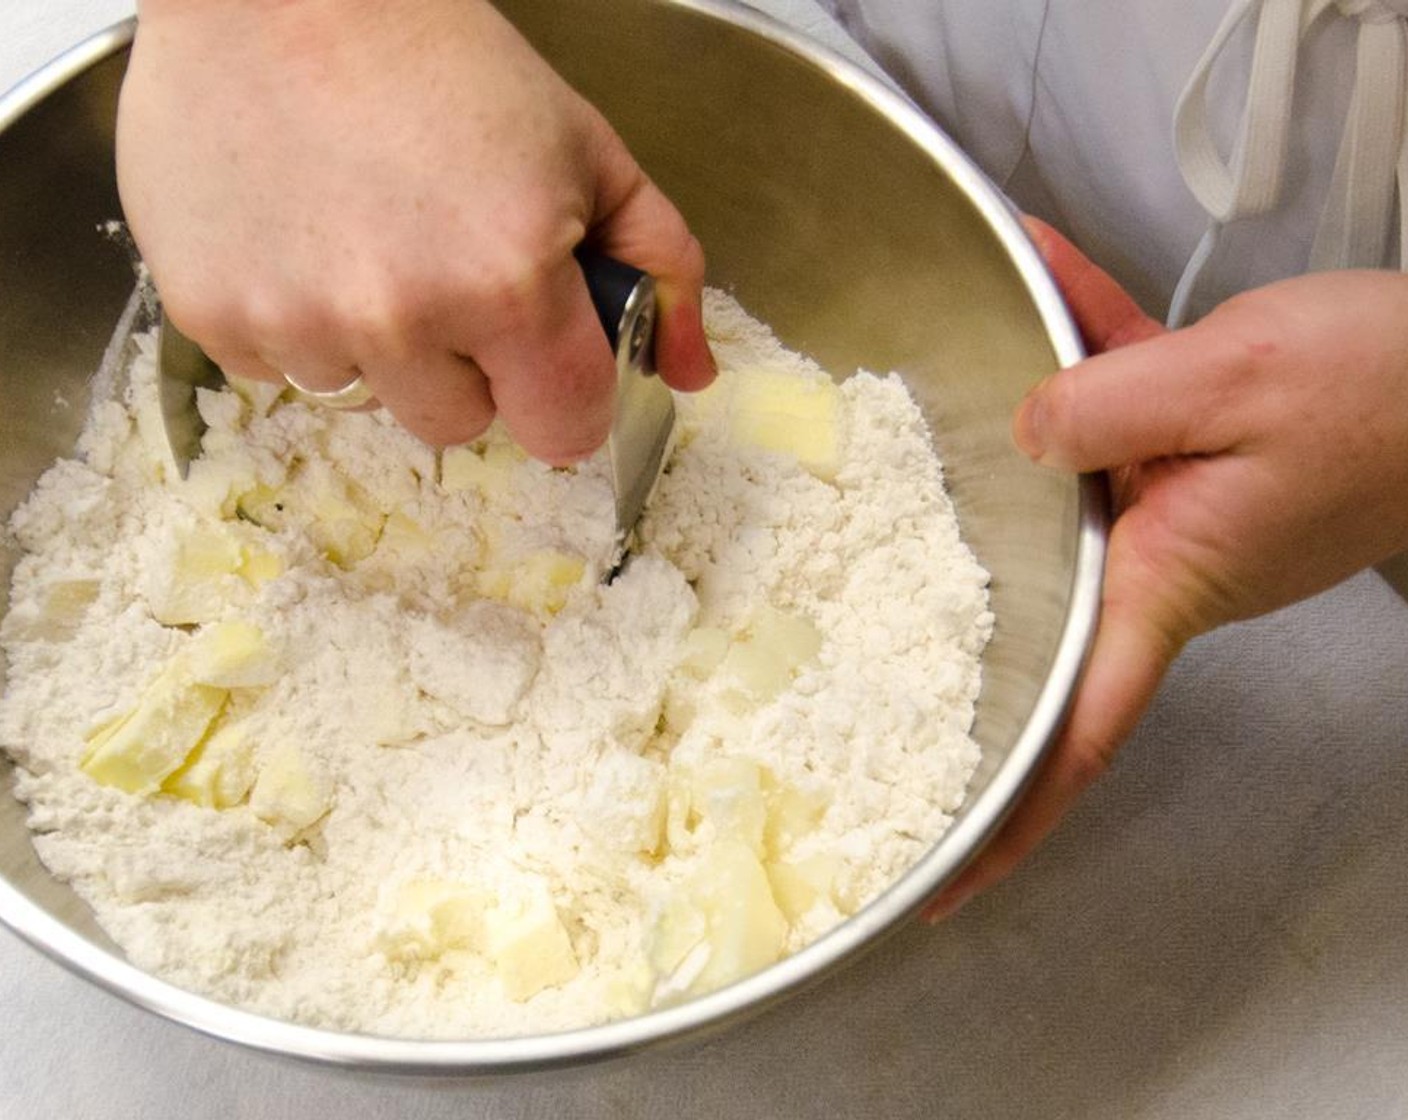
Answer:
(833, 210)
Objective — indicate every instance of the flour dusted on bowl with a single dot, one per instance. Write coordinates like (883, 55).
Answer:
(350, 733)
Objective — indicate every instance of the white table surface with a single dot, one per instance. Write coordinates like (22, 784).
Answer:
(1219, 931)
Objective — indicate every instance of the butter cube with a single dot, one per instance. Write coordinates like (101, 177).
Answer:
(429, 917)
(628, 992)
(288, 794)
(745, 929)
(194, 584)
(265, 506)
(218, 774)
(800, 886)
(344, 523)
(791, 814)
(678, 929)
(538, 583)
(792, 415)
(405, 536)
(487, 469)
(336, 514)
(528, 944)
(763, 662)
(232, 654)
(258, 565)
(704, 649)
(728, 794)
(137, 751)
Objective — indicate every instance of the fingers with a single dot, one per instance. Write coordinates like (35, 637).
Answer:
(549, 367)
(242, 363)
(1106, 314)
(639, 225)
(1136, 642)
(439, 397)
(1127, 404)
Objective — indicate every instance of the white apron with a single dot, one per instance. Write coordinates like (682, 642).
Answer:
(1070, 105)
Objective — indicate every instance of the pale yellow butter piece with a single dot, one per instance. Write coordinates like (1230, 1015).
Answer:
(429, 917)
(405, 536)
(219, 772)
(344, 523)
(232, 654)
(487, 469)
(288, 794)
(528, 944)
(678, 929)
(744, 929)
(628, 992)
(762, 663)
(789, 414)
(538, 583)
(728, 794)
(704, 648)
(338, 516)
(258, 565)
(196, 586)
(800, 886)
(137, 751)
(265, 506)
(792, 813)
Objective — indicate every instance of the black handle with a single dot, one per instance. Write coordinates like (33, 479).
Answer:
(611, 283)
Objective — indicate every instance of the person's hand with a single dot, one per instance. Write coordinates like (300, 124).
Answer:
(1256, 458)
(327, 188)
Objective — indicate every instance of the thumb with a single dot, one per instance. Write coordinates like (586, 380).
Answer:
(637, 224)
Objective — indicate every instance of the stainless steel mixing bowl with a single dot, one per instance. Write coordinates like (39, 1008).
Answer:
(833, 210)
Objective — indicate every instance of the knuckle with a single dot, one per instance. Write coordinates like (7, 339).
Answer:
(690, 257)
(270, 318)
(1061, 405)
(208, 321)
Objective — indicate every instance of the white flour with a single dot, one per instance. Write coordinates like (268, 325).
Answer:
(536, 801)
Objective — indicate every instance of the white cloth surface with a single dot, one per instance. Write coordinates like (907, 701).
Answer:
(1217, 932)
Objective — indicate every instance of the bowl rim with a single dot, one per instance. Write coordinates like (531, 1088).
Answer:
(862, 931)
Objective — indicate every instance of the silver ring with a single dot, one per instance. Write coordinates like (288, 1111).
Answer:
(352, 395)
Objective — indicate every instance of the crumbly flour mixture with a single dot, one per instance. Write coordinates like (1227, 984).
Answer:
(350, 733)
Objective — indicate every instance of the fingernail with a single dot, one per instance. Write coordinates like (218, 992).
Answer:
(1028, 426)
